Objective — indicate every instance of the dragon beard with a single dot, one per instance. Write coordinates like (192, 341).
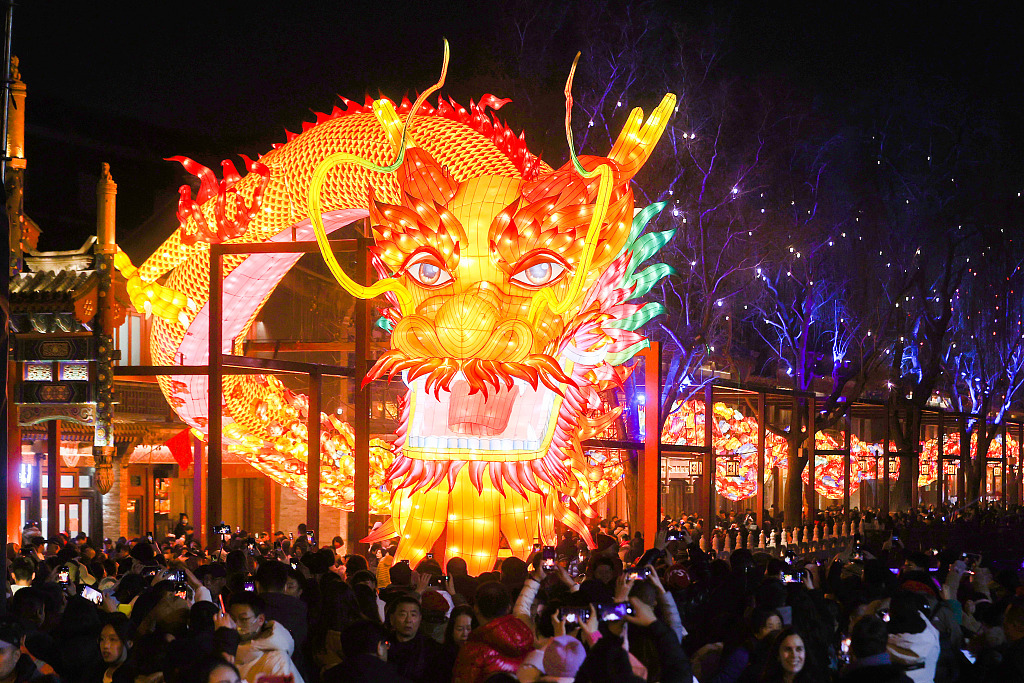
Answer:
(499, 444)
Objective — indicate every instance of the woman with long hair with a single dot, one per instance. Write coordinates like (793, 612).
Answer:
(461, 623)
(790, 662)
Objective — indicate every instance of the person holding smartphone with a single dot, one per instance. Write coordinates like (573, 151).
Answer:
(500, 643)
(266, 646)
(869, 660)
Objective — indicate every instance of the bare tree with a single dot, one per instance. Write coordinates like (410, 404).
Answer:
(984, 362)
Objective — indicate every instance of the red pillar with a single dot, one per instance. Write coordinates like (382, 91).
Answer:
(649, 466)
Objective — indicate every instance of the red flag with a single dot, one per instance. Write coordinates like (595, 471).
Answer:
(181, 448)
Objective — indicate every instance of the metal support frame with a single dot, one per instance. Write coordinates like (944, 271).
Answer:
(940, 489)
(812, 457)
(1002, 489)
(361, 400)
(215, 423)
(222, 363)
(884, 507)
(313, 452)
(846, 465)
(708, 491)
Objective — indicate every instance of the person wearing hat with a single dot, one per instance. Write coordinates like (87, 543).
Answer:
(15, 666)
(562, 659)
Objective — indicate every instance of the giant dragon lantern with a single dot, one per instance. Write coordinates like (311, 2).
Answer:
(510, 293)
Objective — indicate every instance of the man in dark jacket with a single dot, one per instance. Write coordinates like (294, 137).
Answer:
(365, 646)
(608, 659)
(287, 610)
(414, 655)
(500, 643)
(870, 659)
(1006, 662)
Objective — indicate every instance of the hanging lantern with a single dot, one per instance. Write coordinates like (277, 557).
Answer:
(104, 476)
(732, 466)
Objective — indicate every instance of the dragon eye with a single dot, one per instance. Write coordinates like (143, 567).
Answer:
(539, 274)
(429, 274)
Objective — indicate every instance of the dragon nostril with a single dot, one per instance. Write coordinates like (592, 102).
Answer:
(464, 324)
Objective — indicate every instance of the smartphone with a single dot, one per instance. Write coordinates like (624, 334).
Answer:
(438, 581)
(574, 615)
(638, 573)
(222, 529)
(430, 556)
(149, 537)
(895, 537)
(178, 576)
(844, 650)
(615, 611)
(790, 558)
(536, 547)
(795, 576)
(673, 535)
(649, 557)
(249, 586)
(91, 594)
(295, 565)
(884, 615)
(574, 568)
(64, 575)
(894, 570)
(291, 535)
(547, 557)
(311, 536)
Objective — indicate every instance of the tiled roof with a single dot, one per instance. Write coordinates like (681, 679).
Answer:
(51, 286)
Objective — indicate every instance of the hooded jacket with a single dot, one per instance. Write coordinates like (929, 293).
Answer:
(269, 654)
(916, 649)
(499, 645)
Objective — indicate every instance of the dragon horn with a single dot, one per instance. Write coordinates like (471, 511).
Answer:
(635, 143)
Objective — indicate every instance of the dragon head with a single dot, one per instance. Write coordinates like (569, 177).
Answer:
(509, 311)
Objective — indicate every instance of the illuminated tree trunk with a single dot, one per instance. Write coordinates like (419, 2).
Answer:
(794, 485)
(907, 444)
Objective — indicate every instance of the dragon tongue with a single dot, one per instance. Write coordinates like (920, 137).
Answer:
(475, 415)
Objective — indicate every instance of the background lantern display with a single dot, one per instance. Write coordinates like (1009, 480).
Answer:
(951, 455)
(735, 441)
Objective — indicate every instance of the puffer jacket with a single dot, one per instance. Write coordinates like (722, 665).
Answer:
(499, 645)
(270, 654)
(917, 651)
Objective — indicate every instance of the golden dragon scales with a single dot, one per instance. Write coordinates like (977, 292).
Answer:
(507, 287)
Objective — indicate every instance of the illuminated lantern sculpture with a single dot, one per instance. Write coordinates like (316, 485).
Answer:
(735, 439)
(951, 455)
(508, 287)
(828, 469)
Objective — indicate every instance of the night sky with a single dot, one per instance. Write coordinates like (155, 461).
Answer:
(115, 82)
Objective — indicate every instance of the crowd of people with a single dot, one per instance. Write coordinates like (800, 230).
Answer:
(282, 609)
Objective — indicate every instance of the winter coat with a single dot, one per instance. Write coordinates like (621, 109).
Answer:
(419, 659)
(499, 645)
(874, 669)
(363, 668)
(269, 654)
(913, 649)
